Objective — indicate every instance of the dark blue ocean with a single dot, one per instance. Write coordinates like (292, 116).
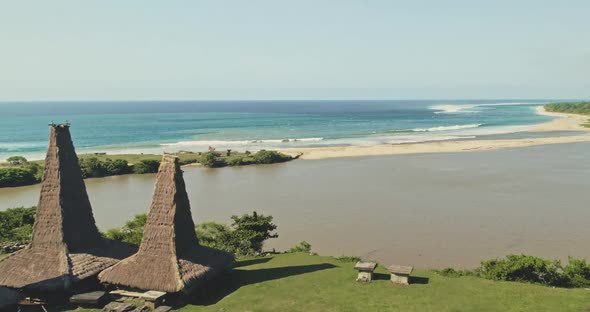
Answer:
(157, 126)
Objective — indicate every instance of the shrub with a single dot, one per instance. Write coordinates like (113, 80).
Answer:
(19, 176)
(131, 232)
(92, 167)
(215, 235)
(577, 273)
(269, 157)
(244, 237)
(16, 224)
(210, 160)
(348, 259)
(301, 247)
(21, 234)
(146, 166)
(450, 272)
(35, 170)
(236, 161)
(188, 161)
(523, 268)
(116, 167)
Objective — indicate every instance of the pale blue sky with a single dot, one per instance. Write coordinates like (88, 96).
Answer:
(126, 50)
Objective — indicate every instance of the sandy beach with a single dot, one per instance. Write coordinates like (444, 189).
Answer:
(562, 122)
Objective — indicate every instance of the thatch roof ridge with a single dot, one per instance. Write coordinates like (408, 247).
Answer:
(169, 257)
(66, 245)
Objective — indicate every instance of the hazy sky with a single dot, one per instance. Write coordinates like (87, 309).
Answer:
(298, 49)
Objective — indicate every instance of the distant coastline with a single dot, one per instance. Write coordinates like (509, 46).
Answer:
(562, 122)
(170, 127)
(461, 131)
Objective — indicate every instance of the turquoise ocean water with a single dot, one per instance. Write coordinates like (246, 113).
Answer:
(157, 126)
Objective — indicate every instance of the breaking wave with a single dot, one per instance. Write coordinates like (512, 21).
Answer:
(244, 142)
(441, 128)
(472, 108)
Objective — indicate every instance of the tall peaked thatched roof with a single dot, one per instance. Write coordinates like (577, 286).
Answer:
(170, 258)
(66, 246)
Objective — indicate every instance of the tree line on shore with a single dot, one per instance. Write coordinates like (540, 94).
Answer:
(19, 171)
(581, 108)
(246, 235)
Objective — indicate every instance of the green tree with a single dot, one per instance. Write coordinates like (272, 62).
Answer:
(211, 160)
(250, 232)
(16, 160)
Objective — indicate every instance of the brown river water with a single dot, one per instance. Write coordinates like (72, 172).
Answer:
(431, 210)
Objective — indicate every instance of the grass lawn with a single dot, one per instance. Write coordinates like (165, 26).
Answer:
(2, 255)
(299, 282)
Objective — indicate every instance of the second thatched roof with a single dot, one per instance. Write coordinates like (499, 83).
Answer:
(170, 258)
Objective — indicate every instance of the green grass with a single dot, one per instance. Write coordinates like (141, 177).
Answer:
(299, 282)
(3, 255)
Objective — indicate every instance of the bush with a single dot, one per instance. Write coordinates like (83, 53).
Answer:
(215, 235)
(450, 272)
(211, 160)
(270, 157)
(21, 234)
(131, 232)
(577, 273)
(146, 166)
(35, 170)
(16, 224)
(19, 176)
(348, 259)
(301, 247)
(188, 161)
(244, 237)
(116, 167)
(236, 161)
(523, 268)
(92, 167)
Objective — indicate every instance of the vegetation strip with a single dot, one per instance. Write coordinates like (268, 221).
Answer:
(580, 108)
(17, 171)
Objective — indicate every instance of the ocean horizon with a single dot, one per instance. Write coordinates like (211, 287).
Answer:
(121, 127)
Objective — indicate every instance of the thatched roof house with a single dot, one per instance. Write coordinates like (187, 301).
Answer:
(170, 258)
(66, 246)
